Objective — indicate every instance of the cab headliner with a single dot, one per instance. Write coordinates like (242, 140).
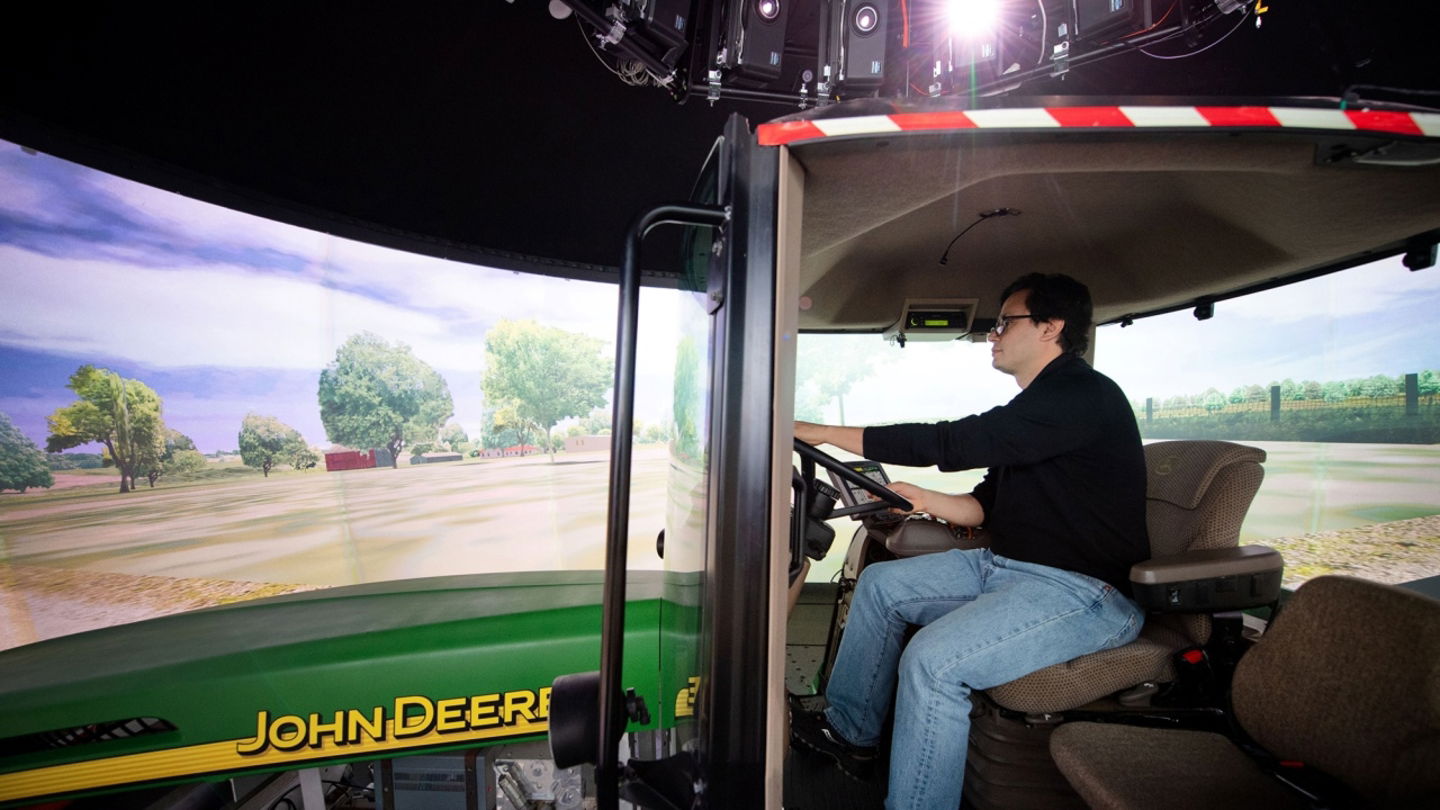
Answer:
(1150, 221)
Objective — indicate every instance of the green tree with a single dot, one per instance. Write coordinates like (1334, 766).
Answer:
(75, 461)
(379, 395)
(654, 434)
(1313, 390)
(22, 464)
(498, 432)
(688, 406)
(1379, 386)
(539, 375)
(825, 373)
(1429, 383)
(266, 441)
(123, 415)
(1214, 400)
(597, 423)
(454, 437)
(186, 463)
(153, 465)
(303, 458)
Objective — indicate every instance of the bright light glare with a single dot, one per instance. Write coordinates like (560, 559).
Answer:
(972, 19)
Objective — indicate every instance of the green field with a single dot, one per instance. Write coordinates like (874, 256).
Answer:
(523, 514)
(317, 528)
(1309, 487)
(516, 514)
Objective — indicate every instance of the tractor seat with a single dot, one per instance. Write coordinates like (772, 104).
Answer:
(1340, 697)
(1197, 494)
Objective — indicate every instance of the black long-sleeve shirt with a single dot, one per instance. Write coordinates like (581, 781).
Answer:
(1066, 479)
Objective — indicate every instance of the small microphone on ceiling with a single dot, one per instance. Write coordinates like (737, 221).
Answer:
(984, 215)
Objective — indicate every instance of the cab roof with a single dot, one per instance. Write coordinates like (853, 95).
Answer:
(1156, 205)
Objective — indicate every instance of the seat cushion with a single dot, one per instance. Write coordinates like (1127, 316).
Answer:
(1091, 677)
(1128, 768)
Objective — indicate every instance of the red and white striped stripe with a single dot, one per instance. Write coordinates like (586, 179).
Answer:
(1117, 117)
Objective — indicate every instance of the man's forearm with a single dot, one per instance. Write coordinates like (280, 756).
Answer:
(962, 510)
(851, 439)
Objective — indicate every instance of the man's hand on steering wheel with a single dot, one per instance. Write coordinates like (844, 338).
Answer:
(851, 439)
(915, 495)
(888, 499)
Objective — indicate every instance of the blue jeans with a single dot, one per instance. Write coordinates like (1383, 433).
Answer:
(985, 620)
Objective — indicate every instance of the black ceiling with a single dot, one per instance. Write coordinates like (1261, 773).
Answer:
(484, 129)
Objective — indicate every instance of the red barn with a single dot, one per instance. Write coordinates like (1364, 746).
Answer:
(343, 459)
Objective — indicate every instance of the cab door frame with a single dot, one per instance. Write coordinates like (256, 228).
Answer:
(742, 578)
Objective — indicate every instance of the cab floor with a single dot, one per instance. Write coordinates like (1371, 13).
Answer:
(812, 782)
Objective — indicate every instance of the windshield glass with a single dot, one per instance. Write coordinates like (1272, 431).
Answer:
(1334, 378)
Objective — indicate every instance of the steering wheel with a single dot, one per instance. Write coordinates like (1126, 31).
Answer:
(888, 497)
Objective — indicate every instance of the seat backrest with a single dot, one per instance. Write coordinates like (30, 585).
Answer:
(1347, 680)
(1197, 493)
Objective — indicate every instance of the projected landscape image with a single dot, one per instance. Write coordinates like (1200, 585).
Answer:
(198, 406)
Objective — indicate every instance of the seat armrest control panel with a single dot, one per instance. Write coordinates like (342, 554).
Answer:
(1209, 580)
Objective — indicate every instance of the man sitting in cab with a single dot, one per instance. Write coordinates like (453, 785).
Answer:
(1063, 502)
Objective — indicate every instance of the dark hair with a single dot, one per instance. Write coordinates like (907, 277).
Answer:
(1055, 296)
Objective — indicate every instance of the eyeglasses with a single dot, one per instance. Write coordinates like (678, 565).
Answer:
(1003, 322)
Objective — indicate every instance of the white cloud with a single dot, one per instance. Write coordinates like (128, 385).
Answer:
(205, 316)
(479, 293)
(197, 313)
(227, 316)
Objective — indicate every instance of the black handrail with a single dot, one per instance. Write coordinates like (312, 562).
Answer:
(612, 632)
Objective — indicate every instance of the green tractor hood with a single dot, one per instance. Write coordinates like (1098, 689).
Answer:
(352, 673)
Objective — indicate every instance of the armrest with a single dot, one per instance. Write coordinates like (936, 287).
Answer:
(1209, 581)
(918, 535)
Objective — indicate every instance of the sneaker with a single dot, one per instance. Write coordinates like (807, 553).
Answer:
(811, 730)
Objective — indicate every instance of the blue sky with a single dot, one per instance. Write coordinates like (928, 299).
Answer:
(1375, 319)
(222, 313)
